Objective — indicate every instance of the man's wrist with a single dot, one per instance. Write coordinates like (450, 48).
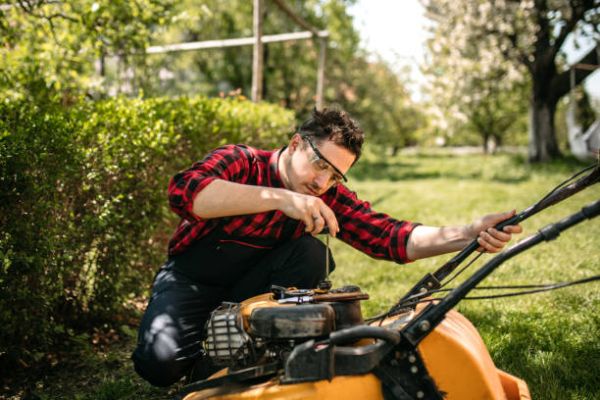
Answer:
(276, 197)
(470, 232)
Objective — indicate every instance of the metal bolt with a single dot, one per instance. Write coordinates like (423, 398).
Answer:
(412, 358)
(423, 290)
(420, 395)
(414, 369)
(424, 326)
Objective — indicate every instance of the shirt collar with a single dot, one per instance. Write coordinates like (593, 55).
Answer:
(274, 175)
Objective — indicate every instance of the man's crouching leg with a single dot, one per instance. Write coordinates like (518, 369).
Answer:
(300, 263)
(171, 331)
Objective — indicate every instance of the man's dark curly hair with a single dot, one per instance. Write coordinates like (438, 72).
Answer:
(335, 125)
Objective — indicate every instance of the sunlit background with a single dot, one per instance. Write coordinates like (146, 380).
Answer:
(397, 31)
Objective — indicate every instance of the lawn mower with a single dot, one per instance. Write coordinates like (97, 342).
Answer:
(315, 344)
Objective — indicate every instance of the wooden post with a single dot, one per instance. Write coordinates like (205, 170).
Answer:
(257, 55)
(219, 44)
(258, 41)
(321, 73)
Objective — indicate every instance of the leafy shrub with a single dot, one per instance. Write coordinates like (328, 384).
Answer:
(83, 211)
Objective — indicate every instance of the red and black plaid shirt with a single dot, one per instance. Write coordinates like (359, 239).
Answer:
(373, 233)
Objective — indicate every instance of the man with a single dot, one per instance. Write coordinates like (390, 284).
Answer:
(249, 218)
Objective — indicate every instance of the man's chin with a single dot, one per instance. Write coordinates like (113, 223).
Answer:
(304, 189)
(311, 192)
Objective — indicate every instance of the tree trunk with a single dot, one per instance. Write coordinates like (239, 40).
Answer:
(486, 139)
(548, 87)
(542, 137)
(267, 71)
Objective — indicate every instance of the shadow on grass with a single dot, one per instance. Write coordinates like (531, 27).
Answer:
(394, 171)
(382, 198)
(503, 168)
(558, 358)
(84, 372)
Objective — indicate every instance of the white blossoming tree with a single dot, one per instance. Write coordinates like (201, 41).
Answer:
(488, 43)
(472, 89)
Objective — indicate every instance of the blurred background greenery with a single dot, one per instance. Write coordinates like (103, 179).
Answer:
(92, 127)
(487, 68)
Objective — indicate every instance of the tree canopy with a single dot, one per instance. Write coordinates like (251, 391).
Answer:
(57, 46)
(97, 49)
(530, 35)
(471, 87)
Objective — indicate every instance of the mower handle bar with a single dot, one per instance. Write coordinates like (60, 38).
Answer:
(433, 314)
(433, 281)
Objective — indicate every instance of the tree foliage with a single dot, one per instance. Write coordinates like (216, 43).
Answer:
(531, 36)
(290, 68)
(97, 48)
(55, 47)
(378, 97)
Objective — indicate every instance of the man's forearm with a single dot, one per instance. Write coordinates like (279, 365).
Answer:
(223, 199)
(429, 241)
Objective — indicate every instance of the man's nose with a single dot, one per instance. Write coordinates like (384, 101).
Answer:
(322, 180)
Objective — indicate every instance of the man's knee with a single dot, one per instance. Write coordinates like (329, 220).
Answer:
(159, 372)
(171, 330)
(157, 357)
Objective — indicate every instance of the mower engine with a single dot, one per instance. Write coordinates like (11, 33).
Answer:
(267, 327)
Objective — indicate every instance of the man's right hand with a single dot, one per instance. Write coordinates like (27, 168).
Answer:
(311, 210)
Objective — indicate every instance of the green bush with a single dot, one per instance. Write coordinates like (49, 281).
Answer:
(83, 208)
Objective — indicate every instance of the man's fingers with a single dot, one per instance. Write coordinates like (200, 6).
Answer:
(502, 236)
(309, 222)
(319, 223)
(316, 215)
(494, 219)
(492, 241)
(331, 221)
(328, 220)
(487, 246)
(513, 229)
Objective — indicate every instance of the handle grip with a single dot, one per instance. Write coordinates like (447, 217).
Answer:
(363, 331)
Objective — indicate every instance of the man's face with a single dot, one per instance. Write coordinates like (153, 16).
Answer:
(311, 173)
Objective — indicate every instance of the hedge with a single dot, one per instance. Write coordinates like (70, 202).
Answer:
(83, 211)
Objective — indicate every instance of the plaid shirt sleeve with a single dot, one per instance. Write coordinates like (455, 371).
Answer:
(373, 233)
(231, 162)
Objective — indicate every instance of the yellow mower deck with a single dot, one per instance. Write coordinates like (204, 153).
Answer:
(453, 352)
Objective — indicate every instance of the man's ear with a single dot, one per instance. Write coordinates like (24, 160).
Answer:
(295, 143)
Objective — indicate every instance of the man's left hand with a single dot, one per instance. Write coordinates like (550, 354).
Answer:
(491, 239)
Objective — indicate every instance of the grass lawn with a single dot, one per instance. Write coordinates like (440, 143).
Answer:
(552, 340)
